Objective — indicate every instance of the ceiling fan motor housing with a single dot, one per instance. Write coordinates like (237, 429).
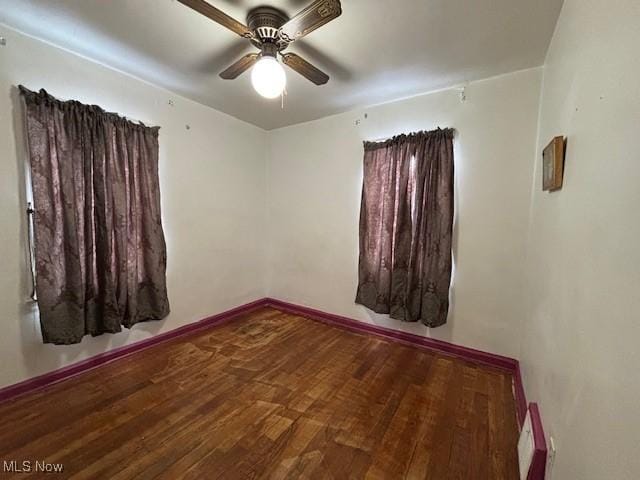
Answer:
(265, 23)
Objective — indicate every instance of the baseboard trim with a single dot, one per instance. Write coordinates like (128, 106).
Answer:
(539, 460)
(42, 381)
(508, 364)
(519, 395)
(445, 348)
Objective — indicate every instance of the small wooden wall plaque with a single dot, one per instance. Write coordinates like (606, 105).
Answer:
(553, 164)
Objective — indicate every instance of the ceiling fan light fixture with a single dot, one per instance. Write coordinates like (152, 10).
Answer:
(271, 31)
(268, 77)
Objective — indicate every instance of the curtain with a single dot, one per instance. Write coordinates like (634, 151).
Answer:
(100, 253)
(406, 223)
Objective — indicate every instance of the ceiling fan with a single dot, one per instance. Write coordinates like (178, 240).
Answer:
(271, 31)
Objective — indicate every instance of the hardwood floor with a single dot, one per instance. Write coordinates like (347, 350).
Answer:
(271, 395)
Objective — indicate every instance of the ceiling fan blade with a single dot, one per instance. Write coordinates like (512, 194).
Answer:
(312, 17)
(241, 66)
(209, 11)
(304, 68)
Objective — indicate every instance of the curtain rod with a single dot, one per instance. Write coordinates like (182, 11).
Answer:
(377, 140)
(386, 139)
(126, 117)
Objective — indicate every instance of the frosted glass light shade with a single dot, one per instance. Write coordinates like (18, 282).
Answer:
(268, 77)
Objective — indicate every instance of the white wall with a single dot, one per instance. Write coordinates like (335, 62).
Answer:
(314, 181)
(212, 188)
(551, 278)
(215, 203)
(580, 351)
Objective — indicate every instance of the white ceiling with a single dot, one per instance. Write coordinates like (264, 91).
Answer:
(377, 51)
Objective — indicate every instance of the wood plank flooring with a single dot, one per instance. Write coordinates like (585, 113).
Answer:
(271, 395)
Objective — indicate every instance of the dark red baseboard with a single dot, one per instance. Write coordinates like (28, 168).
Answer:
(497, 361)
(519, 395)
(477, 356)
(539, 460)
(36, 383)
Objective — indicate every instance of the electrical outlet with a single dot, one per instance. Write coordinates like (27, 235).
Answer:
(551, 458)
